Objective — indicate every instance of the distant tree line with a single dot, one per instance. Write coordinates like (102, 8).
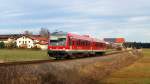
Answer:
(43, 32)
(137, 45)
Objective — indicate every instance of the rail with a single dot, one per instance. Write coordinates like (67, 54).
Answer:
(50, 60)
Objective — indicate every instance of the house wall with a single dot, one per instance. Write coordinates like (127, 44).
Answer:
(44, 47)
(25, 40)
(6, 41)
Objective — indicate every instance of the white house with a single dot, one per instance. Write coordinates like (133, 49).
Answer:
(43, 45)
(31, 41)
(24, 40)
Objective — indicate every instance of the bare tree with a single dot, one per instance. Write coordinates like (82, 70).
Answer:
(44, 32)
(28, 33)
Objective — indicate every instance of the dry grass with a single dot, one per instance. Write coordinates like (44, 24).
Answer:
(138, 73)
(80, 71)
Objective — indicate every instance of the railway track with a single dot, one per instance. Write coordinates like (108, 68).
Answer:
(50, 60)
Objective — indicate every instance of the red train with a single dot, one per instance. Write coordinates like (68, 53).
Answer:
(70, 45)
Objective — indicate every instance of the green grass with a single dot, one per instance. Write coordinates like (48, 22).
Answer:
(25, 55)
(22, 55)
(138, 73)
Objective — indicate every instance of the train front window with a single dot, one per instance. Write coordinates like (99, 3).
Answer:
(58, 42)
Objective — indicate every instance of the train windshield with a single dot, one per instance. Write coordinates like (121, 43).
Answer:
(58, 40)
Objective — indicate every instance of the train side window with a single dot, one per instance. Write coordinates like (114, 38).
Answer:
(77, 42)
(101, 45)
(82, 43)
(85, 43)
(73, 42)
(89, 43)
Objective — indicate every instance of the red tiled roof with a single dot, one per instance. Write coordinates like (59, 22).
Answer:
(115, 40)
(42, 42)
(38, 38)
(120, 40)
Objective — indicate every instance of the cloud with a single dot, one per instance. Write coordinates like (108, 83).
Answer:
(139, 19)
(100, 18)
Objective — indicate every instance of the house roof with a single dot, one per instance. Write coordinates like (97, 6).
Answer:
(42, 40)
(15, 36)
(10, 36)
(42, 43)
(120, 40)
(38, 38)
(114, 40)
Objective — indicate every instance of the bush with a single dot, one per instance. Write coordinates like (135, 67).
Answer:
(11, 45)
(2, 45)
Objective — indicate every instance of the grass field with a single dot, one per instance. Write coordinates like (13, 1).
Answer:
(22, 55)
(138, 73)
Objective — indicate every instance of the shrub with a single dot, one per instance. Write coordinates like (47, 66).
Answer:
(2, 45)
(11, 45)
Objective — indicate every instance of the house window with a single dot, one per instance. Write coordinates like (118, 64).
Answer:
(29, 41)
(25, 42)
(19, 41)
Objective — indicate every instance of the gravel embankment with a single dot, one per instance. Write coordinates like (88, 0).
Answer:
(79, 71)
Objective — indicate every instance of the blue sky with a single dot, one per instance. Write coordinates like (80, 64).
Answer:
(100, 18)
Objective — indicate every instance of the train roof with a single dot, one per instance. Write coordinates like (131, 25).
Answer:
(85, 37)
(60, 33)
